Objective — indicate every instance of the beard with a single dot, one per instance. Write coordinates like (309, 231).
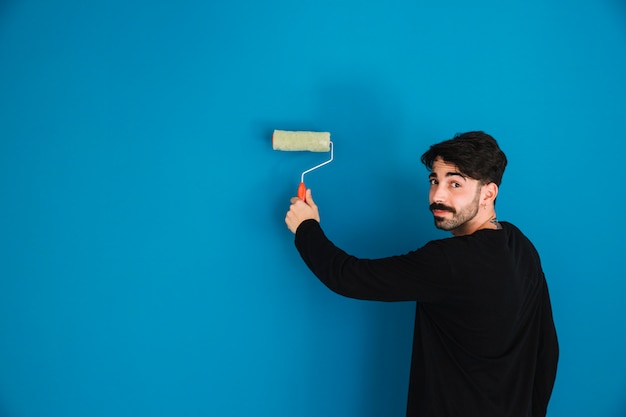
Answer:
(460, 217)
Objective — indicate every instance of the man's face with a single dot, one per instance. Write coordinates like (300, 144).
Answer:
(454, 197)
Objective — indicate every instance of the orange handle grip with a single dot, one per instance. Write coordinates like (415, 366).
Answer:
(302, 191)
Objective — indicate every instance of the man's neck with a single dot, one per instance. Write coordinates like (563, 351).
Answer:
(485, 220)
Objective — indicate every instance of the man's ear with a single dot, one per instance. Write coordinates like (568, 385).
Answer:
(490, 192)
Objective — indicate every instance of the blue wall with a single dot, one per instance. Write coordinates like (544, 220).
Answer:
(145, 269)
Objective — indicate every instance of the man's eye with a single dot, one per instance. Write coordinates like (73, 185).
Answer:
(432, 181)
(455, 185)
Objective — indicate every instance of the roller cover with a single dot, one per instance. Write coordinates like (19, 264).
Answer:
(285, 140)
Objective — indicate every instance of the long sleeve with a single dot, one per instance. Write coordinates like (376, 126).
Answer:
(399, 278)
(334, 267)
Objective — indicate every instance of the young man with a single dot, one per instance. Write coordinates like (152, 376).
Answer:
(484, 342)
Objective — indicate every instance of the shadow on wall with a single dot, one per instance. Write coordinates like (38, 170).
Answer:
(5, 7)
(373, 216)
(366, 210)
(369, 121)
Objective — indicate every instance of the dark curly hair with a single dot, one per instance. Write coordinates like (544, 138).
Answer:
(476, 154)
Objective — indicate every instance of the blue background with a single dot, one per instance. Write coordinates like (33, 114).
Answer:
(145, 269)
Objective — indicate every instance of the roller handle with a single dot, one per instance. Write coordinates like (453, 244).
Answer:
(302, 191)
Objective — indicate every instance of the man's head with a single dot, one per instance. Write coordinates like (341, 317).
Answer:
(465, 173)
(476, 154)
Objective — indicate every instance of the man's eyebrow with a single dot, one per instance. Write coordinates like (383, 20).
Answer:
(449, 174)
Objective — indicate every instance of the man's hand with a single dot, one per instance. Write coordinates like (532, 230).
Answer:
(300, 211)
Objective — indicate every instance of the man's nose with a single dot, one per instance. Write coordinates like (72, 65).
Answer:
(438, 195)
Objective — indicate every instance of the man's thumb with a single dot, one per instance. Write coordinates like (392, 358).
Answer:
(309, 197)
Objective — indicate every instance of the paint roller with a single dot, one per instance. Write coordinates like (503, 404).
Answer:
(286, 140)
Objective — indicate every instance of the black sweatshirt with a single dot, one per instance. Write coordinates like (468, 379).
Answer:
(484, 341)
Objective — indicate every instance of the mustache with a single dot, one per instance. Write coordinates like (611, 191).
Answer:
(437, 206)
